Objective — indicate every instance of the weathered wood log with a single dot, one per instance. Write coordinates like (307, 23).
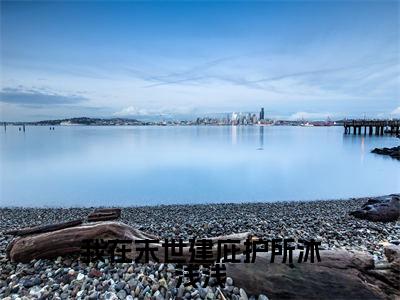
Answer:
(340, 275)
(69, 241)
(104, 214)
(102, 217)
(108, 210)
(43, 228)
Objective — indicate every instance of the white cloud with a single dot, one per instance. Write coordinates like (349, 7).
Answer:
(132, 111)
(396, 111)
(310, 115)
(135, 111)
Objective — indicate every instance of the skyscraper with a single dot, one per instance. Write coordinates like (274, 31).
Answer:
(262, 114)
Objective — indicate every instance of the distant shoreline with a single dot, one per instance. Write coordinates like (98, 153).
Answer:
(198, 121)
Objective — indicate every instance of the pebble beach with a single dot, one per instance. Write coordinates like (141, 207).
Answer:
(69, 278)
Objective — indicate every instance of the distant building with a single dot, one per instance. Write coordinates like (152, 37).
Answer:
(234, 118)
(254, 119)
(262, 114)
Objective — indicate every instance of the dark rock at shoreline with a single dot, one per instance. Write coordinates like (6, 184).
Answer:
(384, 209)
(392, 152)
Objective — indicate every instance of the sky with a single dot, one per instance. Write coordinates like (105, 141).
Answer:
(297, 59)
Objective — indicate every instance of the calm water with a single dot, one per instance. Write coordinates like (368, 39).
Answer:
(85, 166)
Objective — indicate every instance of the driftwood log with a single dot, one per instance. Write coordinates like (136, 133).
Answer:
(43, 228)
(69, 241)
(104, 214)
(340, 275)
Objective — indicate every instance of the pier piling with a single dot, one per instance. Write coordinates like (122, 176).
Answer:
(379, 126)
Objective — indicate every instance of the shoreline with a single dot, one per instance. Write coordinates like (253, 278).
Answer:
(283, 202)
(263, 219)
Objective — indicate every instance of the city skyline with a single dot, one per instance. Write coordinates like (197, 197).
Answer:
(308, 60)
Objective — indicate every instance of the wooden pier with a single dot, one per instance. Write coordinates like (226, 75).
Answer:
(377, 127)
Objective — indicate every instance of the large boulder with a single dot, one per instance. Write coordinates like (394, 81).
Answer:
(382, 209)
(392, 152)
(340, 275)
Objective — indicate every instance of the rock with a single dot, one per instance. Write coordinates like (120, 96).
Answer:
(121, 294)
(243, 295)
(120, 286)
(236, 290)
(210, 295)
(181, 291)
(27, 283)
(115, 277)
(229, 281)
(161, 267)
(93, 296)
(170, 268)
(162, 282)
(340, 274)
(95, 273)
(392, 152)
(71, 272)
(15, 289)
(132, 283)
(379, 209)
(35, 291)
(80, 277)
(202, 292)
(110, 296)
(37, 264)
(66, 279)
(262, 297)
(37, 281)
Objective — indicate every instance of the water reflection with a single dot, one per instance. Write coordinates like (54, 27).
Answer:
(155, 165)
(261, 133)
(362, 149)
(234, 134)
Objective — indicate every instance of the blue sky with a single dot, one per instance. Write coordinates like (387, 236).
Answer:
(297, 59)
